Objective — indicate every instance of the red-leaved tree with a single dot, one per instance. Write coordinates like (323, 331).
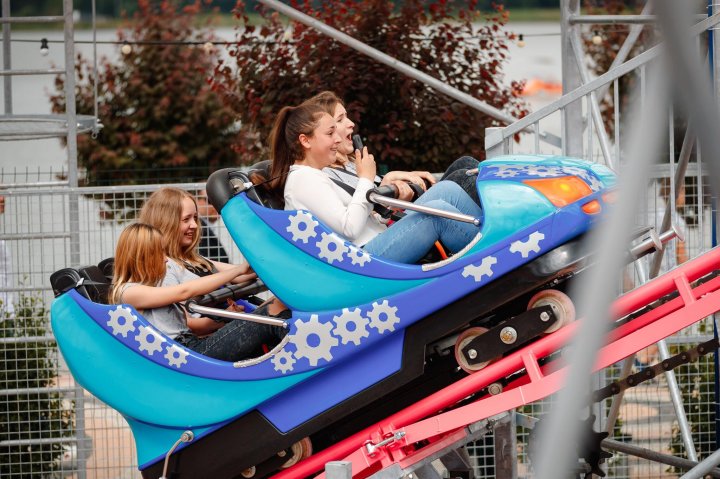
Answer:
(406, 124)
(162, 120)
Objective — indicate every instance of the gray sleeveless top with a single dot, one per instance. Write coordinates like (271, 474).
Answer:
(170, 320)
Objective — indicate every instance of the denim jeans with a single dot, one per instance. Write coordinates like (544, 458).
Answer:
(408, 240)
(235, 341)
(456, 173)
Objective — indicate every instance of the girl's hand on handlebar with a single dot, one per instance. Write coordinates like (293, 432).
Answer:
(365, 164)
(244, 277)
(405, 193)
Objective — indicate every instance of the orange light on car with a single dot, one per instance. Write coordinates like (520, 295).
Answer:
(592, 208)
(561, 191)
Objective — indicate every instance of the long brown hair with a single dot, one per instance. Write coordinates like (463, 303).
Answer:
(328, 101)
(285, 148)
(163, 210)
(139, 258)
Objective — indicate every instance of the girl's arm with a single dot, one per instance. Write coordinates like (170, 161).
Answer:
(220, 266)
(312, 190)
(202, 326)
(147, 297)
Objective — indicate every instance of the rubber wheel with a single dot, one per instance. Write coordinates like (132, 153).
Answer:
(560, 303)
(463, 339)
(300, 450)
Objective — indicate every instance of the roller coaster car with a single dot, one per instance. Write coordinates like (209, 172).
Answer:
(367, 336)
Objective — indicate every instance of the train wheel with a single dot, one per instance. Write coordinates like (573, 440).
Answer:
(560, 303)
(300, 450)
(466, 337)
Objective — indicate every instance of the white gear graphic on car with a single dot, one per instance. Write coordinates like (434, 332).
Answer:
(383, 317)
(507, 171)
(480, 270)
(122, 321)
(526, 247)
(283, 361)
(149, 340)
(302, 226)
(176, 356)
(357, 332)
(313, 340)
(577, 171)
(331, 248)
(594, 183)
(543, 171)
(358, 256)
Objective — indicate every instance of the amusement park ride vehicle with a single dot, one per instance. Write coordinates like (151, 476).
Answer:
(383, 364)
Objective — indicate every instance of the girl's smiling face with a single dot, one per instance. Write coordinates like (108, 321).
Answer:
(188, 223)
(321, 146)
(345, 128)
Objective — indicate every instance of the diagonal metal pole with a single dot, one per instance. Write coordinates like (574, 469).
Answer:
(594, 292)
(402, 67)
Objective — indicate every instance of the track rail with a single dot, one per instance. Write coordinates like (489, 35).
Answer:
(394, 439)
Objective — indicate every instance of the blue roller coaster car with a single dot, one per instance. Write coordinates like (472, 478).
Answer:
(367, 336)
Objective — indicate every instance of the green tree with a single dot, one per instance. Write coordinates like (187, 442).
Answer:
(161, 119)
(32, 416)
(406, 124)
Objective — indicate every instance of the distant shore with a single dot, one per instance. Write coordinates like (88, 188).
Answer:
(224, 20)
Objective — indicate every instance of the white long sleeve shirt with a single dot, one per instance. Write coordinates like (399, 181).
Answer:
(310, 189)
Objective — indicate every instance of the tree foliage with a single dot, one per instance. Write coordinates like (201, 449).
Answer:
(158, 110)
(406, 124)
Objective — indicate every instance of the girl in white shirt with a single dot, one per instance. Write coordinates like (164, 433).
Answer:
(304, 140)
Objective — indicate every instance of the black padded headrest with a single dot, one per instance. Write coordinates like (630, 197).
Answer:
(220, 187)
(98, 285)
(107, 267)
(66, 279)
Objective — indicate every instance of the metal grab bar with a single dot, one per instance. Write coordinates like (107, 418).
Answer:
(223, 313)
(406, 205)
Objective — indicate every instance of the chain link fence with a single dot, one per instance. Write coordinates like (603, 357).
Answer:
(51, 428)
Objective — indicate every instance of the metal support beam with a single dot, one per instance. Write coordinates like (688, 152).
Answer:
(506, 449)
(594, 105)
(572, 119)
(7, 63)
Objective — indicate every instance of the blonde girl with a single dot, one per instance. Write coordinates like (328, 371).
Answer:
(150, 282)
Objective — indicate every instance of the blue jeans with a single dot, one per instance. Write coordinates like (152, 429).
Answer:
(456, 173)
(235, 341)
(409, 240)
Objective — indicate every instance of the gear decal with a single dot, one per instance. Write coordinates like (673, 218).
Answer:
(383, 317)
(358, 256)
(283, 361)
(543, 171)
(122, 321)
(351, 326)
(314, 340)
(331, 248)
(176, 356)
(149, 340)
(505, 171)
(302, 226)
(483, 269)
(532, 244)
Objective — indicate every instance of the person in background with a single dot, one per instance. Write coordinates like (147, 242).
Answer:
(210, 246)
